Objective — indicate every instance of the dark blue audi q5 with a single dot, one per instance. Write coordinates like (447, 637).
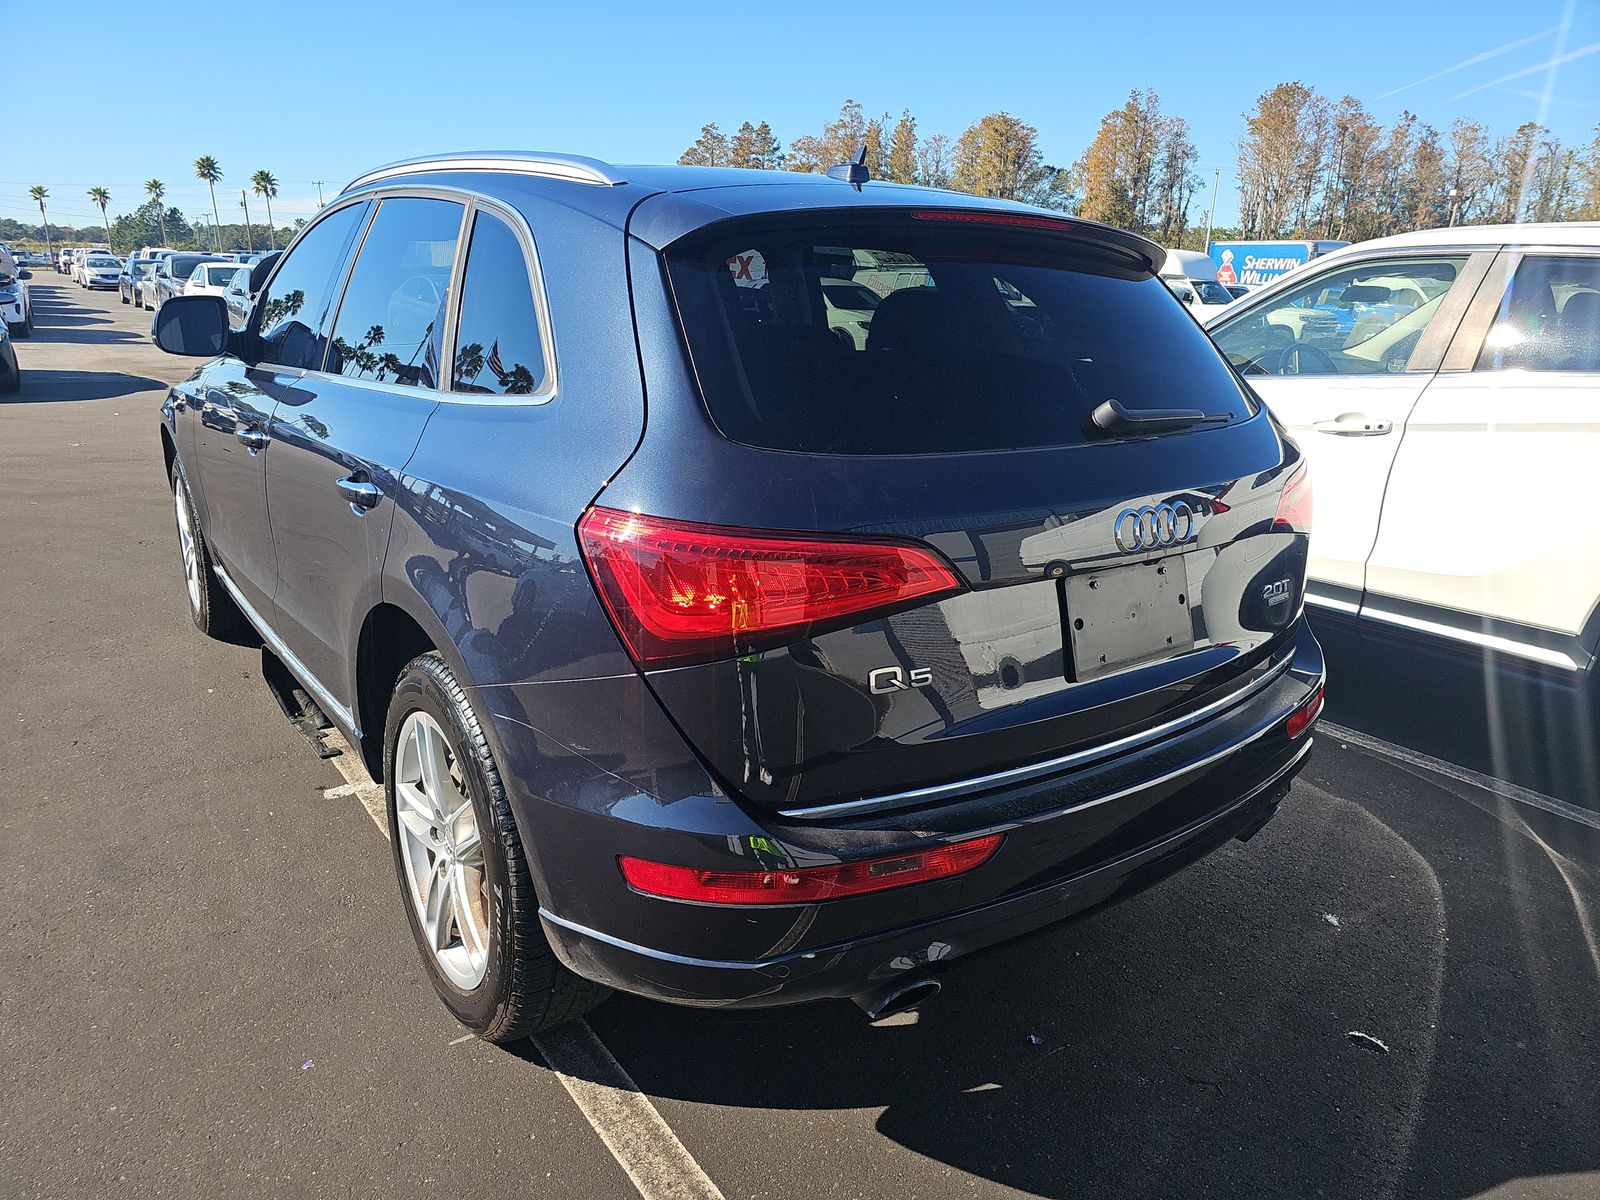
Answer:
(749, 587)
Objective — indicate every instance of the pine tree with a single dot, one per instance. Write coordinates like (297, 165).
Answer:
(710, 149)
(902, 164)
(933, 161)
(999, 156)
(755, 147)
(839, 141)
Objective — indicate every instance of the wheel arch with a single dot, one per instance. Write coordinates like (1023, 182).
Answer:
(169, 449)
(390, 637)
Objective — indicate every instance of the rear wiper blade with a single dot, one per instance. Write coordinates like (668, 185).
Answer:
(1113, 419)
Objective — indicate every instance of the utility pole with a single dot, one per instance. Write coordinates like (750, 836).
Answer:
(1211, 216)
(249, 234)
(318, 182)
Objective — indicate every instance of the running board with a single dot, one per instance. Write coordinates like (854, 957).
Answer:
(297, 704)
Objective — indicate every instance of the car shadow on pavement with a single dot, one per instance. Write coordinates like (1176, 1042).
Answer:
(49, 330)
(1323, 1011)
(54, 387)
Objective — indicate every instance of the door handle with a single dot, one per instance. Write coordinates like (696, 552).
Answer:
(254, 437)
(1354, 425)
(360, 491)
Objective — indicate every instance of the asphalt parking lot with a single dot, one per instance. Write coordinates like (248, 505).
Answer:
(209, 989)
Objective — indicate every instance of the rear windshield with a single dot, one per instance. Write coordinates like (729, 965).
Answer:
(217, 276)
(886, 334)
(101, 260)
(181, 266)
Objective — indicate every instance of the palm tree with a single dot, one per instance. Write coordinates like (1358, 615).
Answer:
(157, 191)
(102, 197)
(266, 186)
(39, 193)
(206, 167)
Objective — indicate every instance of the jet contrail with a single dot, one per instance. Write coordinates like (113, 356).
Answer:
(1473, 61)
(1558, 61)
(1529, 94)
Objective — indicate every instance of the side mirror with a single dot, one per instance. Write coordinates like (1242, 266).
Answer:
(196, 326)
(24, 274)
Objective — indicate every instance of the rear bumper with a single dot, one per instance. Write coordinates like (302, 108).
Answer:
(1072, 844)
(868, 964)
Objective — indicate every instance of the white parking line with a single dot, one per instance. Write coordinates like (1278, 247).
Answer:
(1498, 787)
(631, 1127)
(633, 1130)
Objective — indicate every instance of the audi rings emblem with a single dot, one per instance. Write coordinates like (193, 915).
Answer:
(1155, 526)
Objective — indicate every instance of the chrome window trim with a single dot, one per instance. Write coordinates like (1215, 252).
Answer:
(297, 668)
(573, 168)
(546, 391)
(473, 202)
(1052, 766)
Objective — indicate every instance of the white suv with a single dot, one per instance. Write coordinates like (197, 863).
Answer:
(1445, 387)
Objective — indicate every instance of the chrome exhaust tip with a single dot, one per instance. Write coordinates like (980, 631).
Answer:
(900, 997)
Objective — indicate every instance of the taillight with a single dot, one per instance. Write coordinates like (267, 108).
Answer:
(1294, 503)
(807, 885)
(1300, 719)
(681, 592)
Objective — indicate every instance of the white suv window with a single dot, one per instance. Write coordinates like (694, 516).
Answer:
(1359, 319)
(1549, 317)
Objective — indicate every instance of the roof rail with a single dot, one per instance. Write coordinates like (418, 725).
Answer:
(574, 168)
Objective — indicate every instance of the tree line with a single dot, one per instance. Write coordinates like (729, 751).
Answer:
(1313, 167)
(1308, 167)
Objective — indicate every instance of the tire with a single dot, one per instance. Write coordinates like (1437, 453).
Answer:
(515, 986)
(121, 295)
(213, 610)
(25, 330)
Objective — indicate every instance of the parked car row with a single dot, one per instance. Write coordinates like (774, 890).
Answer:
(16, 307)
(151, 274)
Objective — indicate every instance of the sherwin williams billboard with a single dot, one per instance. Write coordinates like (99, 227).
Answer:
(1254, 263)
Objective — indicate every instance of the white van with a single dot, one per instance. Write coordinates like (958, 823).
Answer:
(1192, 276)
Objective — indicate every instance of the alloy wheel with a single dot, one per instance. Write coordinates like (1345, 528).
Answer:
(186, 544)
(442, 848)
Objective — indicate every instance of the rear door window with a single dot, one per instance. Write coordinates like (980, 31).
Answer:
(1549, 317)
(391, 320)
(882, 333)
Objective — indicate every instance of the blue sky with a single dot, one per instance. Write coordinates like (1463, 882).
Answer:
(342, 87)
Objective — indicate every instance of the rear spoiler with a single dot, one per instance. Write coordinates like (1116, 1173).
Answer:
(1149, 255)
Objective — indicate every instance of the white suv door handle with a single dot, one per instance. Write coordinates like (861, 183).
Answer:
(1354, 425)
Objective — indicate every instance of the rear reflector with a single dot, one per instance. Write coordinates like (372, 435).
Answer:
(807, 885)
(680, 592)
(1294, 503)
(1300, 719)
